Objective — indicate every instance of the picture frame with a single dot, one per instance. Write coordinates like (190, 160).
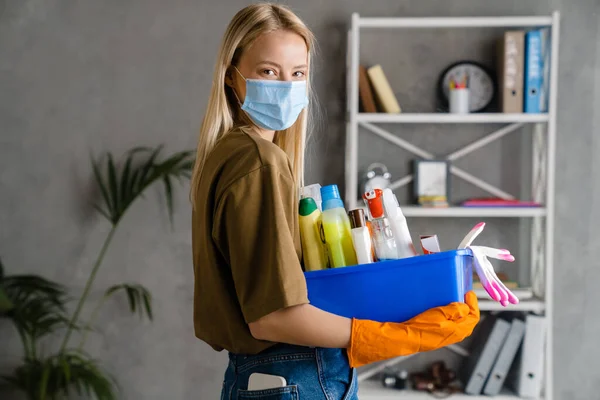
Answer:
(431, 182)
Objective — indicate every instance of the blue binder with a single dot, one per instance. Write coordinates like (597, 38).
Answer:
(534, 73)
(544, 94)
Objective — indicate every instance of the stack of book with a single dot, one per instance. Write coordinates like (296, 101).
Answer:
(433, 201)
(524, 66)
(375, 91)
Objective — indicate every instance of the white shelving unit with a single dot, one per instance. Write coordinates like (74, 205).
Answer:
(535, 306)
(375, 391)
(429, 118)
(543, 171)
(492, 212)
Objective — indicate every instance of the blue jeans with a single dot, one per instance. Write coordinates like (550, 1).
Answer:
(311, 374)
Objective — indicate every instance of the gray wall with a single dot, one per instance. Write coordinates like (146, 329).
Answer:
(104, 75)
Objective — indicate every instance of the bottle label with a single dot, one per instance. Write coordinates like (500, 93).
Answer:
(323, 242)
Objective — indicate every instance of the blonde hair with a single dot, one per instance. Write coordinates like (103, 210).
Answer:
(223, 113)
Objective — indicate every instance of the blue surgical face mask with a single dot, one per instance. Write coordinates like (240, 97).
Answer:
(274, 104)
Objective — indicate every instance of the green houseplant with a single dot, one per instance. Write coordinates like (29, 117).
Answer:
(37, 307)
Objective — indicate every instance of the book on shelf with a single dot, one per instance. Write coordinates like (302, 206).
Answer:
(497, 202)
(384, 93)
(524, 71)
(536, 70)
(365, 91)
(433, 201)
(523, 62)
(544, 99)
(510, 77)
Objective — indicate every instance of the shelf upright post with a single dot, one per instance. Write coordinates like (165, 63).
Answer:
(550, 202)
(352, 133)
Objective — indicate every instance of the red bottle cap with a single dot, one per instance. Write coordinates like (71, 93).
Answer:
(375, 200)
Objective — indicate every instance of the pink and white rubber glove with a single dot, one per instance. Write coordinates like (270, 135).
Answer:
(484, 269)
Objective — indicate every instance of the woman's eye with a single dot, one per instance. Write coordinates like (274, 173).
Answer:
(299, 74)
(269, 72)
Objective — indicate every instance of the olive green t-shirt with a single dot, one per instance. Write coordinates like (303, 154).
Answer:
(246, 242)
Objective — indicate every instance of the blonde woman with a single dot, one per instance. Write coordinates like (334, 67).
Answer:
(250, 294)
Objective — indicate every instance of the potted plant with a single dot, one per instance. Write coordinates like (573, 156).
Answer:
(37, 307)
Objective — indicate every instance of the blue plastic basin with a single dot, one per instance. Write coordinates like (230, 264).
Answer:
(392, 291)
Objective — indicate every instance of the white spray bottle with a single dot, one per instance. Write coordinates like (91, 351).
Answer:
(397, 220)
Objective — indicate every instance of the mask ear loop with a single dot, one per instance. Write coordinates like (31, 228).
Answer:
(240, 104)
(233, 89)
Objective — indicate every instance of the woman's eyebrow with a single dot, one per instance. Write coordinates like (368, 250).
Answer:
(274, 64)
(279, 66)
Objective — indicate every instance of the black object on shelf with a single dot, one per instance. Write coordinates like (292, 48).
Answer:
(395, 380)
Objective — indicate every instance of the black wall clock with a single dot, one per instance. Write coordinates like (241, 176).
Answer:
(482, 85)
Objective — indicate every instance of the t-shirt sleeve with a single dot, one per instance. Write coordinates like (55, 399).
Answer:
(254, 225)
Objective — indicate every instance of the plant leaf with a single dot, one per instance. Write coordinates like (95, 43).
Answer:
(104, 213)
(146, 171)
(38, 317)
(139, 149)
(138, 297)
(5, 303)
(128, 179)
(131, 190)
(121, 188)
(169, 197)
(44, 381)
(66, 369)
(147, 304)
(20, 288)
(48, 378)
(101, 184)
(113, 187)
(39, 308)
(132, 298)
(125, 187)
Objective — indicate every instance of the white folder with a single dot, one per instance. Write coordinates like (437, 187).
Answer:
(505, 358)
(483, 359)
(528, 376)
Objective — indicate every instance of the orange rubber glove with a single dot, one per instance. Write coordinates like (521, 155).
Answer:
(433, 329)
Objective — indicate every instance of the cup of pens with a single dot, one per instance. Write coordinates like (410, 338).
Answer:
(459, 96)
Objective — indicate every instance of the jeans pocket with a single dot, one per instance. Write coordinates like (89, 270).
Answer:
(283, 393)
(352, 393)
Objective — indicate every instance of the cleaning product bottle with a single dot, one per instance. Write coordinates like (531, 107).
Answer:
(361, 238)
(336, 228)
(313, 251)
(404, 242)
(371, 235)
(313, 191)
(383, 237)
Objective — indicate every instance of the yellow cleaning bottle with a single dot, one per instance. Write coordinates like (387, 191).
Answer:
(313, 249)
(336, 228)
